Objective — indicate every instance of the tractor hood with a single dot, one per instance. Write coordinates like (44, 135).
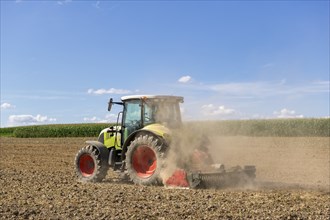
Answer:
(158, 129)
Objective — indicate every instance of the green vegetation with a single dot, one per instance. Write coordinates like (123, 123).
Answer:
(274, 127)
(7, 132)
(59, 130)
(270, 127)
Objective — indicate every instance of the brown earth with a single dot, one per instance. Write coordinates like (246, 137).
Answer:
(37, 181)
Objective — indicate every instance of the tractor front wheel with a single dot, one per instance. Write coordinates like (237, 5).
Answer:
(91, 164)
(144, 160)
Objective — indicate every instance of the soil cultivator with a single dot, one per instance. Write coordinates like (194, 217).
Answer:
(139, 145)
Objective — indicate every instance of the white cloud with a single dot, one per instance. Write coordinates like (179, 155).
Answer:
(245, 89)
(107, 119)
(17, 120)
(264, 89)
(97, 5)
(63, 2)
(268, 65)
(185, 79)
(91, 119)
(324, 82)
(211, 110)
(109, 91)
(285, 113)
(6, 105)
(111, 117)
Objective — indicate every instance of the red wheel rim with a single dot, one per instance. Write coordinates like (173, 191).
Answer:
(86, 165)
(144, 161)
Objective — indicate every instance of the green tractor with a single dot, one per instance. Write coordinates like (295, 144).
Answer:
(138, 147)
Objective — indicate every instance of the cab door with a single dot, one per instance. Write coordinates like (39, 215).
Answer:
(131, 117)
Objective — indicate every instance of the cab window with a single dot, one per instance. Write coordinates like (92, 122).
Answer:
(132, 118)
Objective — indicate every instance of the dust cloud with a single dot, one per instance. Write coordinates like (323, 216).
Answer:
(279, 161)
(289, 162)
(301, 161)
(185, 143)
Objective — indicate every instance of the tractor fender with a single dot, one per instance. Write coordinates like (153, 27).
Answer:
(131, 137)
(101, 148)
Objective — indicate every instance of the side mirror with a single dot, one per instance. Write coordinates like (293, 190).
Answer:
(110, 104)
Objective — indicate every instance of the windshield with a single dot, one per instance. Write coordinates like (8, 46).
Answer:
(132, 117)
(163, 112)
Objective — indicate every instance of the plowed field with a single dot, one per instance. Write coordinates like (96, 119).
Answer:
(37, 181)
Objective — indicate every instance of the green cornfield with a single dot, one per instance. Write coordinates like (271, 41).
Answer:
(54, 130)
(263, 128)
(273, 127)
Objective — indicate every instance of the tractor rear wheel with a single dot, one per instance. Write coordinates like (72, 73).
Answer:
(144, 159)
(91, 164)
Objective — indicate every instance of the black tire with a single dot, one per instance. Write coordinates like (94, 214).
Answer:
(91, 164)
(144, 160)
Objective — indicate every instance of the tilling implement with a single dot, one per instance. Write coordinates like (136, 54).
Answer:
(139, 147)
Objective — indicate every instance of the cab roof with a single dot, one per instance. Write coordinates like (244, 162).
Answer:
(154, 97)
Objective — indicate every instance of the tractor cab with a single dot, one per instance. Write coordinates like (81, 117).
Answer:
(148, 112)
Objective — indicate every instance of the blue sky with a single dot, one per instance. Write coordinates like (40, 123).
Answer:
(61, 61)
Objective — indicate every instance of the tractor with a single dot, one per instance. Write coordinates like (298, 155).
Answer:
(140, 142)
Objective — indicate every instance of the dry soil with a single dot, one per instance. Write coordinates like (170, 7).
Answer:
(37, 181)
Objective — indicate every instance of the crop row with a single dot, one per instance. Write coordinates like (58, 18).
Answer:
(278, 128)
(271, 128)
(58, 130)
